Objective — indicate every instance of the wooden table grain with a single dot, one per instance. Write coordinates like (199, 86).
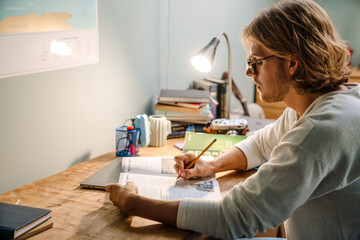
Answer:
(80, 213)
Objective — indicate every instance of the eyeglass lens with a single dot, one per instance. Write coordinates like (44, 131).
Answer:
(252, 64)
(253, 61)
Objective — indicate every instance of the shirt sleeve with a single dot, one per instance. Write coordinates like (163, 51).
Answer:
(263, 201)
(258, 147)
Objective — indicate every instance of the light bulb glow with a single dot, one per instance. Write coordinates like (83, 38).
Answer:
(201, 63)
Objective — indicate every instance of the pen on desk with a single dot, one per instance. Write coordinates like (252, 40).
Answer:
(193, 162)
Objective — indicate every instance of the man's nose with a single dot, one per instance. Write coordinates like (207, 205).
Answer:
(249, 73)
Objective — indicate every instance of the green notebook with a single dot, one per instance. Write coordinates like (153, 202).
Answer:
(196, 142)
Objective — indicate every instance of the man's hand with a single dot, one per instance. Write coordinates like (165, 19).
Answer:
(232, 159)
(200, 169)
(130, 202)
(122, 196)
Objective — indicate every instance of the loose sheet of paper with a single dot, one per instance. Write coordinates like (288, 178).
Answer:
(155, 177)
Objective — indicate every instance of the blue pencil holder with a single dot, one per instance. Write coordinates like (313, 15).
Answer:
(127, 141)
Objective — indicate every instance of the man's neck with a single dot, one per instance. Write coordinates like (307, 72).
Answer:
(299, 102)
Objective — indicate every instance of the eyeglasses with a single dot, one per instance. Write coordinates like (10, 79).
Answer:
(252, 61)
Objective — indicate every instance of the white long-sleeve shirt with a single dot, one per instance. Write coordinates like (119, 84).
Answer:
(309, 177)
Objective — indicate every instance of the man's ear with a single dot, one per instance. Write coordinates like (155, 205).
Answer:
(293, 65)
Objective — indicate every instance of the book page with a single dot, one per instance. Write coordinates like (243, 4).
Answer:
(161, 166)
(156, 178)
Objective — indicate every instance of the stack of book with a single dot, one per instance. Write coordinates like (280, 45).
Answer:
(217, 89)
(190, 106)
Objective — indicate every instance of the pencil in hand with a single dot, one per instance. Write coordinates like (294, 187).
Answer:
(198, 157)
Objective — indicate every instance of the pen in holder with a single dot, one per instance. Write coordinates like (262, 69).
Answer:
(127, 141)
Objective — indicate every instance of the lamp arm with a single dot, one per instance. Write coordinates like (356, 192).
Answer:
(228, 105)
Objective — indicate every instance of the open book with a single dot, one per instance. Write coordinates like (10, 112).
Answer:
(155, 177)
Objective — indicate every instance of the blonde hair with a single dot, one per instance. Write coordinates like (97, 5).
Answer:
(301, 28)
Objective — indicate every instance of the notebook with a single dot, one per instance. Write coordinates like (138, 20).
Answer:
(15, 220)
(108, 174)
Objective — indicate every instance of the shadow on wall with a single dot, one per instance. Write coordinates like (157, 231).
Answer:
(150, 107)
(80, 159)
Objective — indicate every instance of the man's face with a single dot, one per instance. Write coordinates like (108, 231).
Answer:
(271, 79)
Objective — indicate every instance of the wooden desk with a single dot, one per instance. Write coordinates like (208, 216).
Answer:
(89, 214)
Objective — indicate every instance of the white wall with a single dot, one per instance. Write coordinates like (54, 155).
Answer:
(53, 120)
(192, 25)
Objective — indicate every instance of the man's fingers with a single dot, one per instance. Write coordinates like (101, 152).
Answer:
(184, 159)
(190, 156)
(179, 160)
(108, 187)
(190, 173)
(130, 186)
(177, 168)
(186, 174)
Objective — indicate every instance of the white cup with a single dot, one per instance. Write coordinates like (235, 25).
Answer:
(160, 128)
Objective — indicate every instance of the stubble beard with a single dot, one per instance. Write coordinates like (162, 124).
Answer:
(281, 88)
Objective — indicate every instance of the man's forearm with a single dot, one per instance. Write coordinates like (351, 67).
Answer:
(157, 210)
(233, 159)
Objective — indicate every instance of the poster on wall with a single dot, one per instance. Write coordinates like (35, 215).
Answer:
(44, 35)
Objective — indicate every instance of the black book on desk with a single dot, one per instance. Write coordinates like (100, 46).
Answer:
(15, 220)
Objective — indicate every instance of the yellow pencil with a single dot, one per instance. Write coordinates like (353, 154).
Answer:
(193, 162)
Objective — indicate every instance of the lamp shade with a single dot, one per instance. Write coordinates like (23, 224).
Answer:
(203, 62)
(204, 59)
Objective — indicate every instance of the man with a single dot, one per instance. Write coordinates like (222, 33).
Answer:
(310, 172)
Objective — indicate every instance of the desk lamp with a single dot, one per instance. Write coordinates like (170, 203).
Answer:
(203, 62)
